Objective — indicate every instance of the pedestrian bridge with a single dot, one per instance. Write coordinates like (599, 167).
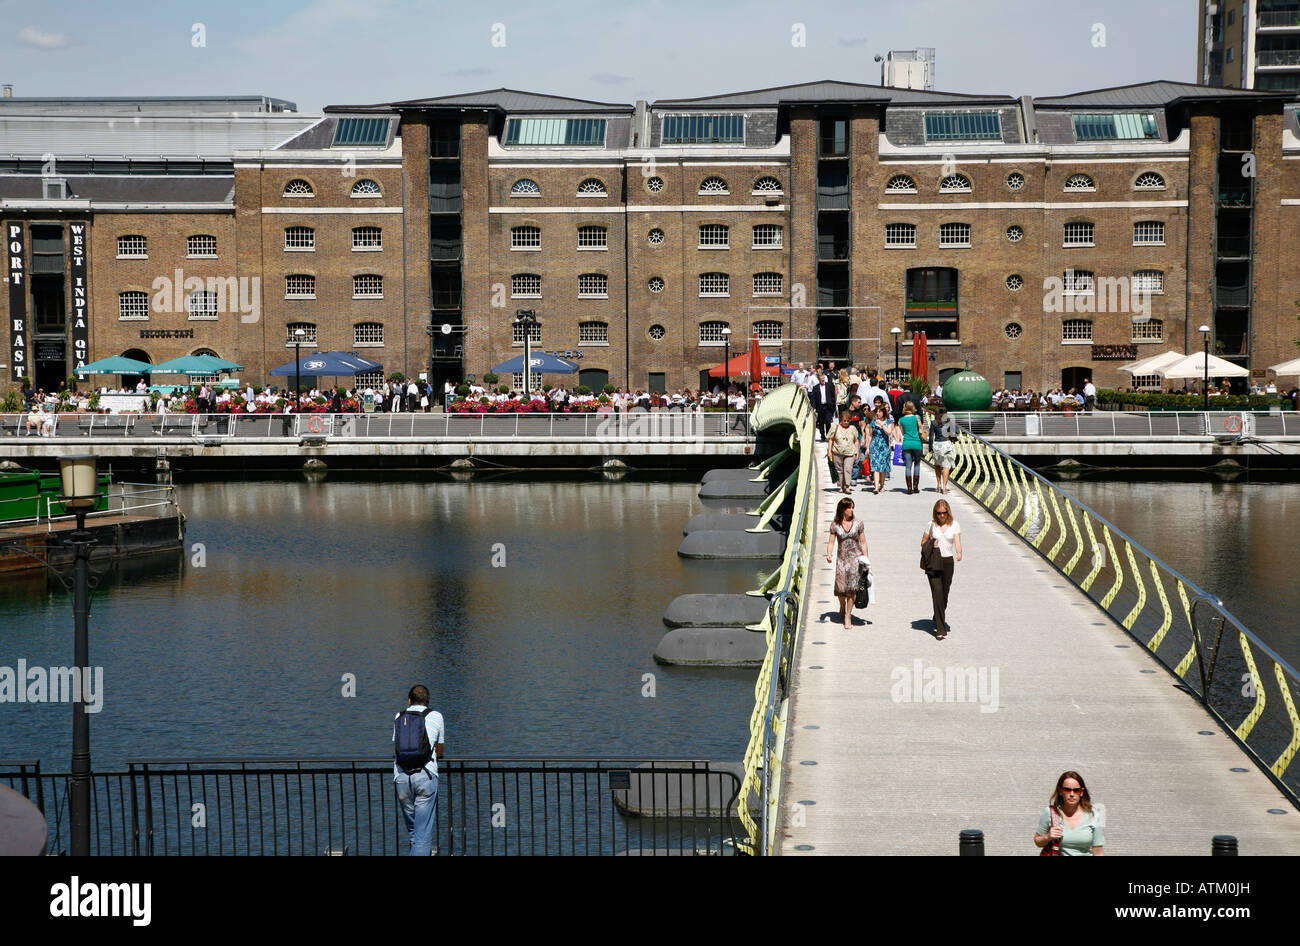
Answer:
(1071, 647)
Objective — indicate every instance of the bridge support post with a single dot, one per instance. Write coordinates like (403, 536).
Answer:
(1224, 845)
(971, 843)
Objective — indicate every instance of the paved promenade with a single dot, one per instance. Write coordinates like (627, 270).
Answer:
(895, 774)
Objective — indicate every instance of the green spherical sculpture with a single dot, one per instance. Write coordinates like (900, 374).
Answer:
(967, 391)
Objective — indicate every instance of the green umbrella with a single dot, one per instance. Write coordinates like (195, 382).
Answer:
(196, 364)
(118, 364)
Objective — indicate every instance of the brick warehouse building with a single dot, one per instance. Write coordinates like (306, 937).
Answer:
(1016, 232)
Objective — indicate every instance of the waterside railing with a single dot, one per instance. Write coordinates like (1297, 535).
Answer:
(1240, 680)
(1132, 425)
(761, 787)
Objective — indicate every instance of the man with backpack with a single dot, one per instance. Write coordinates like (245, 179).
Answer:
(418, 735)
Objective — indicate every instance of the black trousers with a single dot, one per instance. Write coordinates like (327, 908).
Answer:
(940, 582)
(825, 420)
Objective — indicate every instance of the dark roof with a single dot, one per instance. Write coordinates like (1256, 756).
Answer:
(320, 136)
(124, 188)
(504, 100)
(1154, 95)
(829, 91)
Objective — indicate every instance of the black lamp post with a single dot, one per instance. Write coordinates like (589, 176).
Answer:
(1205, 380)
(298, 336)
(897, 333)
(79, 493)
(527, 320)
(726, 360)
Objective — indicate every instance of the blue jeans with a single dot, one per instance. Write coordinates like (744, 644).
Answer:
(911, 462)
(418, 797)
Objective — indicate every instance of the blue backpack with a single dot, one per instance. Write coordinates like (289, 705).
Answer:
(411, 741)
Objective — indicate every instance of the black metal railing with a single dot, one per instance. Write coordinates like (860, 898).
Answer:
(323, 807)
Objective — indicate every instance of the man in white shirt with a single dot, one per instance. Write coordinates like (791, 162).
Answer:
(1089, 395)
(415, 767)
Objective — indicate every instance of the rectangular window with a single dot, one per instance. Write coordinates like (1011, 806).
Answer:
(525, 238)
(593, 286)
(1076, 330)
(1126, 127)
(369, 379)
(954, 234)
(517, 336)
(132, 247)
(299, 238)
(767, 284)
(593, 333)
(300, 287)
(308, 334)
(201, 246)
(769, 331)
(1078, 281)
(369, 286)
(1149, 233)
(593, 238)
(932, 303)
(834, 137)
(1142, 381)
(703, 129)
(367, 238)
(368, 333)
(963, 126)
(576, 132)
(1149, 280)
(517, 379)
(133, 306)
(361, 133)
(768, 235)
(715, 235)
(1012, 380)
(715, 284)
(526, 285)
(201, 306)
(1152, 330)
(900, 234)
(711, 333)
(833, 186)
(1078, 234)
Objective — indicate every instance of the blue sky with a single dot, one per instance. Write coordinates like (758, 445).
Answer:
(323, 52)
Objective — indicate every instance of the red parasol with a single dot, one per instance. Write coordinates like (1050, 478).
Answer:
(920, 357)
(738, 367)
(755, 366)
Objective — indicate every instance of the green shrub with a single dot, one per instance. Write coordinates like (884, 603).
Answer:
(502, 389)
(583, 389)
(490, 378)
(13, 402)
(1188, 402)
(548, 388)
(610, 389)
(462, 390)
(397, 376)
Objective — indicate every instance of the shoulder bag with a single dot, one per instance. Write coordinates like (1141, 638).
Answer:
(1054, 848)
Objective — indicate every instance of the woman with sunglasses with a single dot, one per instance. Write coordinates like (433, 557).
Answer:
(947, 538)
(853, 544)
(1069, 825)
(880, 451)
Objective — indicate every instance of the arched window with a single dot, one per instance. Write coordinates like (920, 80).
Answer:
(1149, 233)
(768, 235)
(526, 286)
(954, 234)
(768, 284)
(291, 334)
(1149, 280)
(715, 235)
(714, 185)
(900, 234)
(769, 331)
(366, 188)
(368, 334)
(298, 188)
(299, 238)
(593, 333)
(300, 286)
(593, 238)
(1079, 182)
(1078, 234)
(1149, 181)
(133, 306)
(768, 185)
(1076, 330)
(367, 238)
(1152, 330)
(525, 187)
(715, 284)
(368, 286)
(132, 246)
(711, 333)
(201, 246)
(592, 187)
(1078, 281)
(593, 286)
(955, 184)
(201, 305)
(525, 238)
(900, 184)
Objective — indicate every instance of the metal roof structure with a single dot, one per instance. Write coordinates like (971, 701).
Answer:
(505, 100)
(146, 105)
(1161, 94)
(128, 189)
(828, 91)
(190, 136)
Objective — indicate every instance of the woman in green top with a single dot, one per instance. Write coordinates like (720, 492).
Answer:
(914, 437)
(1069, 824)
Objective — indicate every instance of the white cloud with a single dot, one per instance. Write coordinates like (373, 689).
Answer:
(34, 37)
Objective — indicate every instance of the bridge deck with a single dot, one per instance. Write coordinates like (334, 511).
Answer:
(895, 777)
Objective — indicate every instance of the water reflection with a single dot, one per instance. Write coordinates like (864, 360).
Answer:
(303, 582)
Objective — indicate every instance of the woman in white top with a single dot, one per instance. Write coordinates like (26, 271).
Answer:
(947, 539)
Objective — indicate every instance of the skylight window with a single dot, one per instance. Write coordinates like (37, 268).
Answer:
(704, 129)
(963, 126)
(555, 131)
(1121, 127)
(361, 133)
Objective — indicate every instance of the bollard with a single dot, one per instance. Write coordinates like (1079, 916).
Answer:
(972, 843)
(1223, 845)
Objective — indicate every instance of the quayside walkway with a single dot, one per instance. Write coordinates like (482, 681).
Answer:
(871, 767)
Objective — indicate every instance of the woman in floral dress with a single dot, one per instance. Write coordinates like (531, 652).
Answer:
(848, 531)
(881, 451)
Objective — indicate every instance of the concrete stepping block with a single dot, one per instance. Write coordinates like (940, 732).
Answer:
(720, 522)
(712, 610)
(732, 545)
(732, 473)
(711, 647)
(683, 793)
(734, 489)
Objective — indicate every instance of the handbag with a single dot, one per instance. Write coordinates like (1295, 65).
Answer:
(898, 454)
(863, 596)
(1053, 849)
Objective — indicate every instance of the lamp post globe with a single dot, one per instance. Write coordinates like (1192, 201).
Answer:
(726, 360)
(897, 333)
(298, 336)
